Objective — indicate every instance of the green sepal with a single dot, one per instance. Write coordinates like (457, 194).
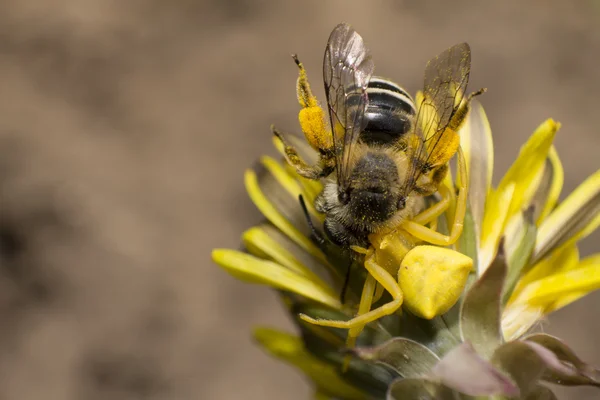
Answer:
(432, 333)
(526, 362)
(372, 379)
(465, 371)
(541, 393)
(581, 373)
(419, 389)
(407, 357)
(480, 316)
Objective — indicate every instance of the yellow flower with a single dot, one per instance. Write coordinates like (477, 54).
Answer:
(539, 270)
(540, 236)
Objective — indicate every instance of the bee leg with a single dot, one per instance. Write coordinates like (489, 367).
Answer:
(377, 274)
(460, 116)
(323, 168)
(418, 230)
(312, 116)
(432, 213)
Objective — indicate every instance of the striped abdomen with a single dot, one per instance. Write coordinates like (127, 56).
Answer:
(389, 113)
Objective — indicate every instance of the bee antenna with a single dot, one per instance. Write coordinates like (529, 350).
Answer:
(295, 57)
(314, 233)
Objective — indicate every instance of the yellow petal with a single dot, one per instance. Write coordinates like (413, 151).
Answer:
(311, 187)
(290, 349)
(575, 218)
(277, 219)
(494, 221)
(564, 258)
(432, 279)
(518, 319)
(291, 185)
(567, 299)
(555, 169)
(307, 153)
(478, 147)
(544, 292)
(525, 170)
(260, 242)
(255, 270)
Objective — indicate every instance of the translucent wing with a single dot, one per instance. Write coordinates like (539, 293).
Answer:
(446, 78)
(347, 68)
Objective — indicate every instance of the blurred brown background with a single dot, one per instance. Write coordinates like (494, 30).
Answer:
(125, 127)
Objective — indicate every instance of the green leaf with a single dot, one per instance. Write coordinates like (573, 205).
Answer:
(409, 358)
(480, 317)
(418, 389)
(581, 373)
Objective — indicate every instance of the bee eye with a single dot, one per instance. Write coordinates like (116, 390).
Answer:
(401, 203)
(344, 197)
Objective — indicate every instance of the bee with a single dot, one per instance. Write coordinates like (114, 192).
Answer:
(381, 155)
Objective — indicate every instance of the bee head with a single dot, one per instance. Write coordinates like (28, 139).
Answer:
(373, 194)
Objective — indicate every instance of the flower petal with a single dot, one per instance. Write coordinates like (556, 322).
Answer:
(478, 147)
(465, 371)
(572, 220)
(526, 169)
(520, 239)
(468, 242)
(480, 312)
(544, 292)
(564, 258)
(494, 220)
(291, 185)
(307, 153)
(550, 186)
(516, 190)
(275, 213)
(409, 358)
(268, 242)
(255, 270)
(290, 349)
(518, 319)
(579, 372)
(564, 301)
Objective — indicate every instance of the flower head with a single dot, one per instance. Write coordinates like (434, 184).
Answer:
(467, 312)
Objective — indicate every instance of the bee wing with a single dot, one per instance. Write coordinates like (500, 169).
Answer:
(446, 78)
(347, 69)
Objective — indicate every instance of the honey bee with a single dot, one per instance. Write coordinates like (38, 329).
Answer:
(381, 155)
